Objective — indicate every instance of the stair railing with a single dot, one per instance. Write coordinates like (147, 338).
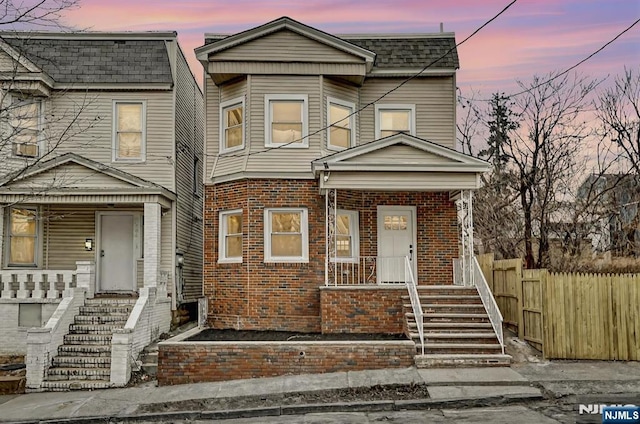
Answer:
(488, 301)
(415, 299)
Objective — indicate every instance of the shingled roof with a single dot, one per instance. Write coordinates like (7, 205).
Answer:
(412, 52)
(84, 60)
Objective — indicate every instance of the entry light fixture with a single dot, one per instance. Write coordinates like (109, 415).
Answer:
(88, 244)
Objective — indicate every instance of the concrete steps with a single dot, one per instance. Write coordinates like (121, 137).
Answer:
(457, 329)
(84, 359)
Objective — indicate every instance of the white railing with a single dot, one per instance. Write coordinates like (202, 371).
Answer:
(415, 300)
(367, 270)
(488, 301)
(36, 284)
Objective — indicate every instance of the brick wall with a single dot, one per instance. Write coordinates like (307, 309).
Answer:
(366, 309)
(194, 362)
(286, 296)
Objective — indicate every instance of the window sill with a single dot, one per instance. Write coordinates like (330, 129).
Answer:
(287, 146)
(136, 161)
(286, 261)
(230, 261)
(232, 149)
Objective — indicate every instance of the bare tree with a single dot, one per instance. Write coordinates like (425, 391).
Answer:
(29, 15)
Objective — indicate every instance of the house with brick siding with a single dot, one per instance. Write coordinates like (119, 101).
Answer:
(331, 181)
(100, 200)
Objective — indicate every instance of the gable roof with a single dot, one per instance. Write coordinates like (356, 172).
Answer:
(88, 58)
(112, 177)
(214, 44)
(421, 156)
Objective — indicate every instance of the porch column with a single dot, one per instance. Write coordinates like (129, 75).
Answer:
(465, 218)
(152, 243)
(330, 246)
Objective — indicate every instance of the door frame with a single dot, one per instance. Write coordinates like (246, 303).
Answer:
(414, 229)
(137, 244)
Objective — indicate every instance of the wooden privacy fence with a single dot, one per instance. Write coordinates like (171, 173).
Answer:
(568, 315)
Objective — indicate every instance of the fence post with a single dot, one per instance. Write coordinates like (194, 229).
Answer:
(519, 300)
(544, 274)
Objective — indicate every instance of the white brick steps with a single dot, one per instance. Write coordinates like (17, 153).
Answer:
(84, 359)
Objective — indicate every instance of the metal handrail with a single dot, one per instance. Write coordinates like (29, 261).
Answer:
(415, 300)
(488, 301)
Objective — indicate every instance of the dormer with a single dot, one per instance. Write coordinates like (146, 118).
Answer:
(284, 47)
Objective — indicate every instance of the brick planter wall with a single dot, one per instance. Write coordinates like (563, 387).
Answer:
(254, 295)
(362, 309)
(195, 362)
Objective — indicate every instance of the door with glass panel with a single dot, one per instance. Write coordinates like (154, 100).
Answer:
(396, 240)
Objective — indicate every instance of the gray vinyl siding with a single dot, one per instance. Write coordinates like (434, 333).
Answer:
(286, 46)
(400, 154)
(8, 64)
(433, 100)
(91, 135)
(234, 161)
(71, 175)
(341, 91)
(166, 247)
(189, 140)
(283, 160)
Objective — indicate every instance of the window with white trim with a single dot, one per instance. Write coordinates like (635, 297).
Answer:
(286, 120)
(230, 236)
(395, 119)
(232, 125)
(25, 121)
(23, 234)
(129, 131)
(286, 235)
(347, 236)
(341, 122)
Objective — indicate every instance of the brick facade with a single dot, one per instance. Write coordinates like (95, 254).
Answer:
(286, 296)
(195, 362)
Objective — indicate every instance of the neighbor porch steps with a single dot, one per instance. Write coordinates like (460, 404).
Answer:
(457, 329)
(84, 359)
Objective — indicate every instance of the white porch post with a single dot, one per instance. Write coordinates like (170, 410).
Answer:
(152, 243)
(465, 217)
(331, 218)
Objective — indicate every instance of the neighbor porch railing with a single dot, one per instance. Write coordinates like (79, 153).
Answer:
(367, 270)
(488, 300)
(46, 284)
(415, 300)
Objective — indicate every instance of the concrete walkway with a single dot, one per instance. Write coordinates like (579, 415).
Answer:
(454, 386)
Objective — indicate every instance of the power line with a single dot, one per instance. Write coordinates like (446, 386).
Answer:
(357, 111)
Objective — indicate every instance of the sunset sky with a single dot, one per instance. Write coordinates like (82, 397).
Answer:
(532, 37)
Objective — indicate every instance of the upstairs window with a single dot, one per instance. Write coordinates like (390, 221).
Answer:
(395, 119)
(129, 131)
(286, 121)
(341, 121)
(25, 122)
(23, 236)
(232, 125)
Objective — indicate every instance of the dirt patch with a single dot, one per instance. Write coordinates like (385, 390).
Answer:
(213, 335)
(379, 392)
(12, 374)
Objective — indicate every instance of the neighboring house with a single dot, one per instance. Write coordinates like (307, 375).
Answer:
(326, 167)
(102, 161)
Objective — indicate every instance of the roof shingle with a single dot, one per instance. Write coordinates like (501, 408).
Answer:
(411, 52)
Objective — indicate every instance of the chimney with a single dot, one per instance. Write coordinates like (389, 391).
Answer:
(441, 27)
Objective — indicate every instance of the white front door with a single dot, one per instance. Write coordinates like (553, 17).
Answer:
(396, 240)
(116, 253)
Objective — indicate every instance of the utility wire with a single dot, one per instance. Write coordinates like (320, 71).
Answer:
(357, 111)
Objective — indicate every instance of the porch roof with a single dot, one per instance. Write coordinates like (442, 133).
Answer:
(71, 178)
(399, 162)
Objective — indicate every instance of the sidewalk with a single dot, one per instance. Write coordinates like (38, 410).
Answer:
(450, 386)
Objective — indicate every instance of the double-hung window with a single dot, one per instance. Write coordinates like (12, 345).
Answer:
(129, 131)
(341, 122)
(395, 119)
(347, 236)
(25, 122)
(286, 120)
(23, 236)
(286, 235)
(232, 125)
(230, 236)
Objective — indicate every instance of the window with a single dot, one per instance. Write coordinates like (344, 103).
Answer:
(129, 131)
(232, 125)
(286, 121)
(347, 236)
(30, 315)
(230, 236)
(341, 121)
(24, 121)
(23, 236)
(286, 235)
(395, 119)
